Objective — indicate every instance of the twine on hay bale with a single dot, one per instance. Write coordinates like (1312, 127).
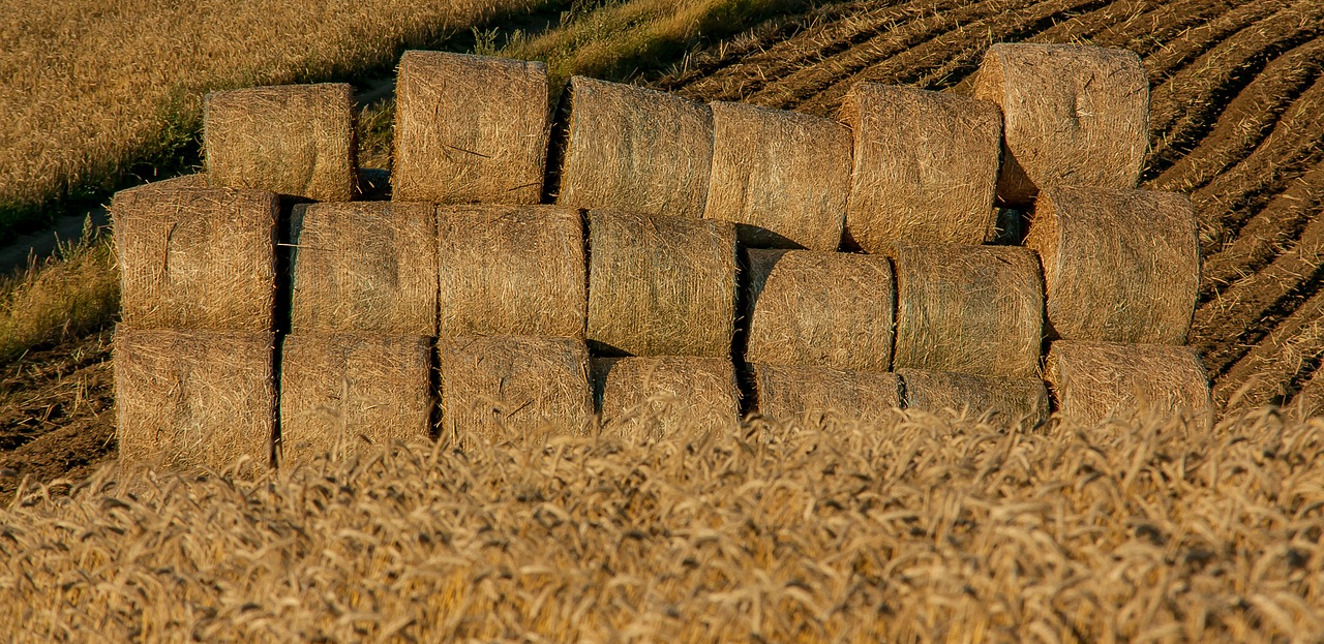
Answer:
(1092, 381)
(1018, 402)
(971, 309)
(470, 129)
(666, 395)
(196, 258)
(1119, 265)
(511, 270)
(1072, 114)
(926, 167)
(820, 309)
(295, 140)
(661, 285)
(797, 392)
(781, 177)
(635, 149)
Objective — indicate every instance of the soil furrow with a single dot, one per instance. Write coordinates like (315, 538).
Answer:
(1150, 31)
(1310, 402)
(1179, 52)
(1271, 373)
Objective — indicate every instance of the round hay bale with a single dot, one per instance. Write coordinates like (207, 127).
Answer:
(970, 309)
(1092, 381)
(796, 392)
(667, 395)
(820, 309)
(1072, 114)
(781, 177)
(635, 149)
(1119, 265)
(470, 129)
(1016, 402)
(660, 285)
(511, 270)
(926, 167)
(295, 140)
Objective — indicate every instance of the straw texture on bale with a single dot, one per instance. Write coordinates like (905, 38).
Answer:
(820, 309)
(194, 180)
(1092, 381)
(1019, 402)
(795, 392)
(295, 140)
(926, 167)
(196, 258)
(511, 270)
(1119, 265)
(1072, 115)
(661, 285)
(782, 177)
(635, 149)
(498, 386)
(365, 267)
(971, 309)
(470, 129)
(193, 398)
(665, 395)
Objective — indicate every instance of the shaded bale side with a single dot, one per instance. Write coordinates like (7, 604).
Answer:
(365, 267)
(782, 177)
(1072, 115)
(667, 395)
(798, 392)
(634, 149)
(820, 309)
(196, 258)
(1092, 381)
(470, 129)
(295, 140)
(1016, 402)
(926, 167)
(1119, 265)
(511, 270)
(970, 309)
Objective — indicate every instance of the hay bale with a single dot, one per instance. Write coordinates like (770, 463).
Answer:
(470, 129)
(970, 309)
(511, 270)
(660, 285)
(194, 398)
(926, 167)
(781, 177)
(498, 387)
(365, 267)
(1092, 381)
(820, 309)
(634, 149)
(667, 395)
(1072, 115)
(1017, 402)
(196, 258)
(194, 180)
(796, 392)
(342, 392)
(295, 140)
(1119, 265)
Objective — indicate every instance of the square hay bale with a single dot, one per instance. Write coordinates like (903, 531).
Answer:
(796, 392)
(196, 258)
(1093, 381)
(511, 270)
(365, 267)
(470, 129)
(342, 392)
(666, 395)
(1015, 402)
(295, 140)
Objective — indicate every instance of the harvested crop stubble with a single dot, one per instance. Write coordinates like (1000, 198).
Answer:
(661, 285)
(821, 309)
(798, 392)
(295, 140)
(971, 309)
(1072, 115)
(470, 129)
(926, 167)
(1092, 381)
(365, 267)
(634, 149)
(782, 177)
(666, 395)
(196, 258)
(511, 270)
(1018, 402)
(1119, 265)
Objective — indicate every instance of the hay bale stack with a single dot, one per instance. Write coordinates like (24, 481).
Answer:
(635, 149)
(365, 267)
(970, 309)
(1092, 381)
(781, 177)
(196, 258)
(470, 129)
(194, 398)
(660, 285)
(793, 392)
(926, 167)
(820, 309)
(295, 140)
(1017, 402)
(1072, 115)
(667, 395)
(1119, 265)
(511, 270)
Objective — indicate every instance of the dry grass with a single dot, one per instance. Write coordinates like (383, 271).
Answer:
(74, 292)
